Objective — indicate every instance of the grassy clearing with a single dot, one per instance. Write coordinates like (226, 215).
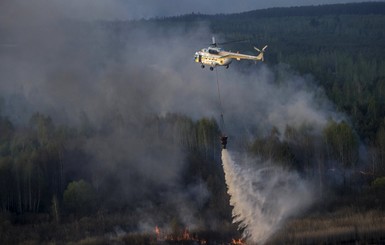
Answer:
(343, 226)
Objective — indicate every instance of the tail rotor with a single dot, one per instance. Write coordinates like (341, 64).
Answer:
(260, 56)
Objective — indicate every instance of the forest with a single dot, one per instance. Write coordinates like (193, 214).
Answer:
(79, 183)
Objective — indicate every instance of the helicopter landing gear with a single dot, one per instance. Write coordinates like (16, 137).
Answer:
(211, 68)
(203, 66)
(227, 67)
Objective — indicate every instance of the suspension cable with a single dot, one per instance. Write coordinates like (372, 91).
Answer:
(222, 121)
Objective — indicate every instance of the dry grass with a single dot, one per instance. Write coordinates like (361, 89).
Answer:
(347, 225)
(344, 226)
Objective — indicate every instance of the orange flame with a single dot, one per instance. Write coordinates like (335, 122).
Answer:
(157, 230)
(186, 235)
(237, 242)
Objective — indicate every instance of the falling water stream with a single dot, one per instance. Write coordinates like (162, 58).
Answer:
(263, 196)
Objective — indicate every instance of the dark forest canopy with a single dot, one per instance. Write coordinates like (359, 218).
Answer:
(332, 9)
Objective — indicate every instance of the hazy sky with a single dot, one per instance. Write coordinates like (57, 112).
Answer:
(132, 9)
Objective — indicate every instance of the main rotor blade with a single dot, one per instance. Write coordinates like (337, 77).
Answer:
(234, 41)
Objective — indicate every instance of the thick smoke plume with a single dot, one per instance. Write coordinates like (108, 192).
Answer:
(263, 196)
(120, 73)
(75, 70)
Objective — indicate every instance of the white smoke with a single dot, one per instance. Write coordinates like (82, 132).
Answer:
(263, 196)
(74, 71)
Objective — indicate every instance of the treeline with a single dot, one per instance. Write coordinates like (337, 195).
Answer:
(364, 8)
(31, 165)
(46, 168)
(330, 157)
(368, 8)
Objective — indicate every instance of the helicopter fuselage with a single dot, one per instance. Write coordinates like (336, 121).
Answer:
(212, 57)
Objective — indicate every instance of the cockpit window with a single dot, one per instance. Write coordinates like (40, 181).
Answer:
(213, 51)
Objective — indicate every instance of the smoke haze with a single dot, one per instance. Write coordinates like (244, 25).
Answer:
(77, 71)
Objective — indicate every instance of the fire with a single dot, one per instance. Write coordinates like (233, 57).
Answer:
(237, 242)
(186, 236)
(157, 232)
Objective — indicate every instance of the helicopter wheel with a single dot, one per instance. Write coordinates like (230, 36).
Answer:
(203, 66)
(227, 67)
(211, 68)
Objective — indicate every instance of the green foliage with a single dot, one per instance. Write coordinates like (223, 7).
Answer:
(342, 143)
(79, 197)
(380, 144)
(207, 134)
(379, 183)
(43, 126)
(272, 148)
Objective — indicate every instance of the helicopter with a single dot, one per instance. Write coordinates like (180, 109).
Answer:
(214, 56)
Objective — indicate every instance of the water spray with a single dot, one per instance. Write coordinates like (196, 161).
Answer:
(263, 196)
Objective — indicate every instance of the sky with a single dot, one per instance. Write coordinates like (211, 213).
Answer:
(136, 9)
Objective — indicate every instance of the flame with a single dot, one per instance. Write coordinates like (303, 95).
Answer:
(186, 236)
(237, 242)
(162, 236)
(157, 231)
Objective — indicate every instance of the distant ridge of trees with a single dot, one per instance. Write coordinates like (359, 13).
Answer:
(364, 8)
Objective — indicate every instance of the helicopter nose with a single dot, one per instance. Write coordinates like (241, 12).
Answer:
(196, 56)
